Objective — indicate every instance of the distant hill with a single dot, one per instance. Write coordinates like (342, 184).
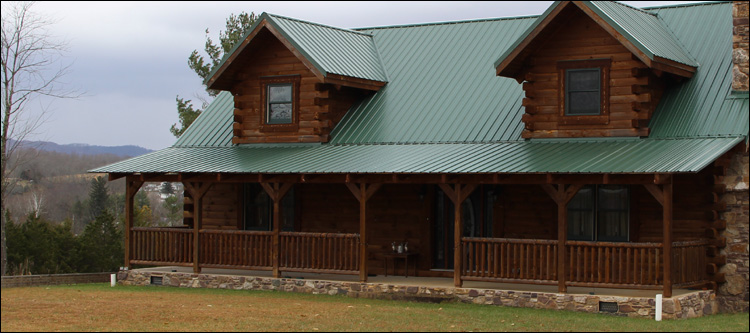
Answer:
(86, 149)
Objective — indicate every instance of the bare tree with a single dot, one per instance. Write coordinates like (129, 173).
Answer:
(30, 68)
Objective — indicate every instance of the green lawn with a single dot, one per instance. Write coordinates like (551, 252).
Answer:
(98, 307)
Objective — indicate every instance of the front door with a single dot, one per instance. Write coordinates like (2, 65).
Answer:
(476, 216)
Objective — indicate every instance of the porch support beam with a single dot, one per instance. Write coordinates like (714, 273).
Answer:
(363, 192)
(663, 193)
(131, 188)
(197, 191)
(457, 193)
(562, 196)
(276, 191)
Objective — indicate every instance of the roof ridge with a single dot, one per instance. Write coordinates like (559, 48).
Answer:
(319, 24)
(631, 7)
(679, 5)
(413, 25)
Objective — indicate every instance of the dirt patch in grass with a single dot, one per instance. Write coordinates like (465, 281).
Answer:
(98, 307)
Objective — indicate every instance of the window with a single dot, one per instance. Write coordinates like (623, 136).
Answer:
(600, 213)
(258, 209)
(584, 91)
(279, 104)
(280, 96)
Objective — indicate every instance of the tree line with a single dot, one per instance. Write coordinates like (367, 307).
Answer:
(91, 240)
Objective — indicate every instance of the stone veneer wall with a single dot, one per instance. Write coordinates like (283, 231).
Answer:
(695, 304)
(733, 294)
(740, 46)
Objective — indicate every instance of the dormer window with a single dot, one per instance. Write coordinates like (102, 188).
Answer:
(584, 91)
(280, 103)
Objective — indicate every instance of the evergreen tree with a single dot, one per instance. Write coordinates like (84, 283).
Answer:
(167, 188)
(37, 247)
(98, 197)
(174, 209)
(101, 245)
(237, 26)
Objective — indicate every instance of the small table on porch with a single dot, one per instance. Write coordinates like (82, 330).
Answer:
(394, 256)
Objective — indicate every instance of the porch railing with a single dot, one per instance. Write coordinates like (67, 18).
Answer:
(319, 252)
(615, 264)
(509, 260)
(689, 263)
(162, 246)
(236, 249)
(601, 264)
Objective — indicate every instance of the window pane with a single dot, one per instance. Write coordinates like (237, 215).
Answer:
(581, 215)
(280, 113)
(257, 213)
(280, 93)
(614, 211)
(583, 103)
(587, 79)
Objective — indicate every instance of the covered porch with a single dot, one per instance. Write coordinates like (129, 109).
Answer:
(499, 257)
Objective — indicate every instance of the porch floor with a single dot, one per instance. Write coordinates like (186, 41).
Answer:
(433, 282)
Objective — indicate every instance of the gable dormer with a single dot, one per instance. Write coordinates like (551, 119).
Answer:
(292, 81)
(594, 69)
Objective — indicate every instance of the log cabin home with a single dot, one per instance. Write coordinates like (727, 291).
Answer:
(593, 145)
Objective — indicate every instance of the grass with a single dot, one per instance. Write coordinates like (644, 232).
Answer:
(99, 307)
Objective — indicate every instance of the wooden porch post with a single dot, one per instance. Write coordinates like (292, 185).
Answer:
(562, 196)
(458, 194)
(197, 191)
(664, 196)
(131, 188)
(667, 189)
(363, 192)
(276, 191)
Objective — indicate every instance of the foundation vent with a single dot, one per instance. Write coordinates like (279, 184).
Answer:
(157, 280)
(610, 307)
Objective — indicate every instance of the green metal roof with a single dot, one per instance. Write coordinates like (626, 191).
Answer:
(444, 110)
(331, 50)
(213, 127)
(582, 156)
(643, 29)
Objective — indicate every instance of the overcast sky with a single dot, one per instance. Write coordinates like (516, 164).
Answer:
(130, 59)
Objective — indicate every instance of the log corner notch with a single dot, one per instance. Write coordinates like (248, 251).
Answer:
(562, 196)
(276, 191)
(197, 191)
(662, 192)
(363, 192)
(132, 185)
(457, 193)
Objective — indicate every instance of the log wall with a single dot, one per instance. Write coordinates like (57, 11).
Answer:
(634, 90)
(320, 106)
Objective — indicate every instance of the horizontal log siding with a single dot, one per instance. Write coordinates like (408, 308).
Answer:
(320, 106)
(581, 38)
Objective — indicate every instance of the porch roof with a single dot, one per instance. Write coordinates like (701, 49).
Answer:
(537, 156)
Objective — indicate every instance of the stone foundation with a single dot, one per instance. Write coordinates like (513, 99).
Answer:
(733, 294)
(695, 304)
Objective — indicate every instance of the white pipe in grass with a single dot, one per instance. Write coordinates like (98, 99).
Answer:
(112, 279)
(657, 315)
